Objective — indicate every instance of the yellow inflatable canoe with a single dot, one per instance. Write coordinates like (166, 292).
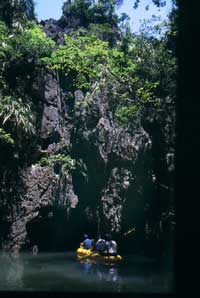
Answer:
(87, 253)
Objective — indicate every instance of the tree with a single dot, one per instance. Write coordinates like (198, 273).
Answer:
(19, 49)
(89, 11)
(80, 59)
(13, 11)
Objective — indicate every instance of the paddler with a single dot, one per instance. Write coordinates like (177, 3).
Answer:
(111, 245)
(100, 245)
(87, 243)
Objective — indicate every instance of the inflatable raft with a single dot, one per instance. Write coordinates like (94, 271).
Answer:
(87, 253)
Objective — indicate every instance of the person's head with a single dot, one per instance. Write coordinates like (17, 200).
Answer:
(85, 236)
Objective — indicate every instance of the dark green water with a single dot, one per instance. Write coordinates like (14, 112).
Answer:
(62, 272)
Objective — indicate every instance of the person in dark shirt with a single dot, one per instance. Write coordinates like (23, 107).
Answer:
(100, 245)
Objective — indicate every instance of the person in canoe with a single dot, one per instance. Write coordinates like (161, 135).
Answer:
(100, 246)
(104, 250)
(110, 246)
(87, 243)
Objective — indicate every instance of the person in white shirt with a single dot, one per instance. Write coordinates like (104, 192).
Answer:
(111, 246)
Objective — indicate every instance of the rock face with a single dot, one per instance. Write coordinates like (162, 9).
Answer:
(92, 197)
(41, 188)
(73, 19)
(114, 186)
(111, 156)
(111, 189)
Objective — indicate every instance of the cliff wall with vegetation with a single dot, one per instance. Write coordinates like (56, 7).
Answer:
(87, 129)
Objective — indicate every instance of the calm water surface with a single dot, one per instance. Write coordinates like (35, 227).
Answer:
(62, 272)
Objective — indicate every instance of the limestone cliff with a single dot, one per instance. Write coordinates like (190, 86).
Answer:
(114, 180)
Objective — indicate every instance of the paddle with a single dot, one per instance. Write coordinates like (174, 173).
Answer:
(131, 230)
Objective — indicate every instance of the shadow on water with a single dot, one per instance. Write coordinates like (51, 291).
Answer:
(63, 272)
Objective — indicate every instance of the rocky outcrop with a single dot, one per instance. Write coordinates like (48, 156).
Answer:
(86, 17)
(117, 179)
(91, 197)
(111, 156)
(42, 187)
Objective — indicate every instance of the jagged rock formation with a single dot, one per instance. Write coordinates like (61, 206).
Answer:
(42, 187)
(97, 191)
(116, 180)
(75, 19)
(110, 155)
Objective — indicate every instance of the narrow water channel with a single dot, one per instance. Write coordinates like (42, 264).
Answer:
(62, 272)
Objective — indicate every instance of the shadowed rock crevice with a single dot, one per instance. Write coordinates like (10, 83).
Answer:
(46, 230)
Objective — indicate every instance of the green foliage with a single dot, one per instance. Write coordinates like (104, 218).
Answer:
(5, 47)
(140, 67)
(149, 71)
(127, 114)
(146, 93)
(84, 59)
(18, 113)
(30, 43)
(81, 59)
(89, 11)
(155, 64)
(97, 17)
(16, 12)
(104, 11)
(29, 8)
(158, 3)
(3, 39)
(77, 7)
(5, 137)
(18, 48)
(23, 47)
(67, 163)
(102, 31)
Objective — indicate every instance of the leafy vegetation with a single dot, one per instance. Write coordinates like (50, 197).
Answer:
(16, 12)
(101, 11)
(18, 114)
(31, 43)
(62, 160)
(80, 59)
(141, 67)
(6, 137)
(20, 48)
(24, 46)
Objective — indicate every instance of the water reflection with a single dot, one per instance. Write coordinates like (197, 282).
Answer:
(103, 273)
(63, 272)
(12, 270)
(87, 267)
